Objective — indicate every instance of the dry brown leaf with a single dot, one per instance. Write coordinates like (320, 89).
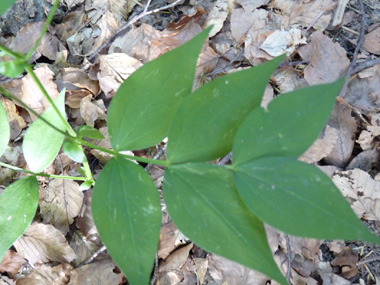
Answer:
(217, 16)
(362, 191)
(137, 43)
(102, 272)
(322, 146)
(288, 79)
(201, 266)
(280, 42)
(170, 239)
(32, 95)
(83, 248)
(85, 222)
(114, 69)
(224, 271)
(176, 260)
(342, 120)
(47, 275)
(26, 37)
(372, 41)
(95, 9)
(305, 13)
(250, 5)
(366, 160)
(42, 243)
(366, 138)
(364, 91)
(186, 19)
(327, 60)
(169, 278)
(62, 203)
(70, 24)
(91, 111)
(11, 263)
(16, 122)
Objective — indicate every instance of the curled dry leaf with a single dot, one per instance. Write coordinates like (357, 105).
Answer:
(91, 111)
(217, 16)
(114, 69)
(280, 42)
(32, 95)
(366, 138)
(362, 191)
(42, 243)
(102, 272)
(176, 259)
(83, 247)
(46, 275)
(345, 124)
(170, 239)
(11, 263)
(62, 203)
(17, 123)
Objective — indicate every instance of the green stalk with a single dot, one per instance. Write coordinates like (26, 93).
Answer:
(30, 70)
(9, 95)
(44, 29)
(42, 174)
(115, 153)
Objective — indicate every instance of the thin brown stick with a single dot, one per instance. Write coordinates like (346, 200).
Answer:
(288, 257)
(124, 28)
(363, 65)
(357, 49)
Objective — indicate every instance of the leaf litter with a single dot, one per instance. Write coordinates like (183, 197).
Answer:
(319, 38)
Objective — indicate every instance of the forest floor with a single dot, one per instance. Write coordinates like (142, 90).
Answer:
(323, 39)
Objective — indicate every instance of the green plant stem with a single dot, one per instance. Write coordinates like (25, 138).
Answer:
(115, 153)
(41, 174)
(9, 95)
(87, 169)
(44, 29)
(11, 53)
(30, 70)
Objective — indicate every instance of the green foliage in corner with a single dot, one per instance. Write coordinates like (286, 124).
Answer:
(220, 208)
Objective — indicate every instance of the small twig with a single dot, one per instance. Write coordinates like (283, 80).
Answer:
(155, 271)
(92, 257)
(357, 49)
(225, 159)
(288, 257)
(123, 28)
(363, 65)
(361, 262)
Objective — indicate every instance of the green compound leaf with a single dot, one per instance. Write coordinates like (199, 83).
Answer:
(127, 213)
(214, 112)
(4, 130)
(291, 124)
(73, 151)
(299, 199)
(204, 204)
(18, 205)
(89, 132)
(41, 142)
(5, 5)
(149, 98)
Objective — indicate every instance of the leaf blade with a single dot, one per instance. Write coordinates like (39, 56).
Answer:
(214, 112)
(291, 124)
(126, 210)
(41, 142)
(138, 104)
(206, 194)
(18, 205)
(5, 130)
(299, 199)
